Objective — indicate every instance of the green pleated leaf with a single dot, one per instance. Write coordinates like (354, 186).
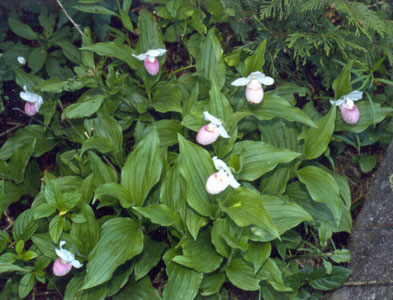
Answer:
(255, 62)
(259, 158)
(142, 169)
(212, 283)
(6, 267)
(246, 208)
(366, 117)
(26, 284)
(210, 63)
(125, 240)
(150, 37)
(1, 196)
(44, 242)
(103, 173)
(367, 162)
(95, 9)
(149, 258)
(125, 19)
(138, 290)
(318, 139)
(322, 188)
(241, 274)
(274, 106)
(280, 133)
(119, 279)
(183, 283)
(342, 84)
(116, 191)
(272, 274)
(218, 104)
(98, 143)
(113, 49)
(88, 232)
(22, 29)
(24, 226)
(320, 280)
(18, 162)
(284, 214)
(69, 50)
(83, 109)
(167, 131)
(56, 226)
(196, 166)
(199, 255)
(159, 214)
(194, 222)
(257, 254)
(167, 98)
(37, 59)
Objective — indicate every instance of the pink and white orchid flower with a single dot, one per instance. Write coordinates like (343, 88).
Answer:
(349, 111)
(209, 133)
(65, 261)
(254, 81)
(219, 181)
(151, 62)
(33, 101)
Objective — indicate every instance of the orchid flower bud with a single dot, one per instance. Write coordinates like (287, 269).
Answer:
(349, 111)
(220, 180)
(65, 261)
(254, 81)
(209, 133)
(21, 60)
(33, 101)
(151, 63)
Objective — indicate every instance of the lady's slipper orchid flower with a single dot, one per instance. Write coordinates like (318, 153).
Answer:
(349, 111)
(151, 62)
(209, 133)
(254, 91)
(34, 102)
(65, 261)
(21, 60)
(219, 181)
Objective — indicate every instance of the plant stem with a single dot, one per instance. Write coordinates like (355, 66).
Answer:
(69, 18)
(179, 70)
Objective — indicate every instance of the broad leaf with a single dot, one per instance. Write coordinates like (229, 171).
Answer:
(149, 258)
(241, 274)
(167, 98)
(255, 62)
(342, 84)
(138, 290)
(126, 241)
(83, 109)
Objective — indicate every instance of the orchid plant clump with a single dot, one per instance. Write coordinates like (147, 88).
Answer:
(136, 181)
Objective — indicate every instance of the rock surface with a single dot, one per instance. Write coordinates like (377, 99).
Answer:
(371, 244)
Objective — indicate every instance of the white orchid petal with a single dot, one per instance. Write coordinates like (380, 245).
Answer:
(266, 80)
(21, 60)
(337, 102)
(220, 165)
(140, 56)
(62, 243)
(355, 95)
(223, 132)
(258, 75)
(241, 81)
(64, 255)
(29, 97)
(232, 182)
(209, 117)
(155, 52)
(76, 264)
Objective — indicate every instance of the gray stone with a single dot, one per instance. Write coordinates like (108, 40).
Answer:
(371, 244)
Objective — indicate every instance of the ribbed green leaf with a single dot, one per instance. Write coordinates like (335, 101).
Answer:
(116, 191)
(167, 131)
(194, 222)
(183, 283)
(272, 274)
(138, 290)
(241, 274)
(37, 59)
(112, 49)
(150, 37)
(210, 63)
(274, 106)
(95, 9)
(26, 284)
(342, 84)
(83, 109)
(56, 226)
(257, 254)
(69, 50)
(199, 255)
(196, 166)
(366, 117)
(246, 208)
(149, 258)
(159, 214)
(18, 162)
(22, 29)
(24, 226)
(44, 242)
(259, 158)
(212, 283)
(6, 267)
(218, 104)
(167, 98)
(318, 139)
(255, 62)
(125, 240)
(142, 169)
(320, 280)
(322, 188)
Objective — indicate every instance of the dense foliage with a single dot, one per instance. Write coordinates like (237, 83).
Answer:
(142, 156)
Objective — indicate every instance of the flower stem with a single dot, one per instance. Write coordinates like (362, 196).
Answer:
(179, 70)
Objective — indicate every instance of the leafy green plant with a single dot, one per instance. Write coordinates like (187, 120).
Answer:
(130, 186)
